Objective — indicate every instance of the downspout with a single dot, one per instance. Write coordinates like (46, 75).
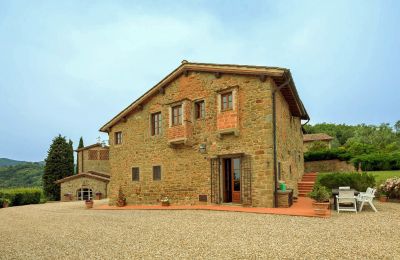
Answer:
(274, 141)
(83, 170)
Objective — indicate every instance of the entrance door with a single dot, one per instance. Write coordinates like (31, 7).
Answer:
(232, 180)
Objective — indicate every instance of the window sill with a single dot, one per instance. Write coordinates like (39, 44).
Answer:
(230, 131)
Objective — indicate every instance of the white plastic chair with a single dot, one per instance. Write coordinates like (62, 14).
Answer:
(345, 198)
(366, 197)
(344, 188)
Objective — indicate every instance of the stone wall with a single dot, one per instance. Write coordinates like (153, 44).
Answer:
(185, 171)
(99, 165)
(328, 166)
(289, 145)
(71, 186)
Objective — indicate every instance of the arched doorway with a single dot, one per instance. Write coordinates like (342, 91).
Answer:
(84, 194)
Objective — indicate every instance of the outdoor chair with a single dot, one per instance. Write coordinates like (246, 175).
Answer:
(346, 201)
(366, 197)
(344, 188)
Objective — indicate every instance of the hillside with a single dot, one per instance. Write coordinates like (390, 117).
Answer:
(21, 175)
(9, 162)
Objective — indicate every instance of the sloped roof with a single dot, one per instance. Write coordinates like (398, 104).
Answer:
(279, 75)
(91, 174)
(317, 137)
(91, 146)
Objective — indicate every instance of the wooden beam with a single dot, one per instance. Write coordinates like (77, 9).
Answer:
(162, 91)
(140, 107)
(186, 73)
(124, 119)
(263, 78)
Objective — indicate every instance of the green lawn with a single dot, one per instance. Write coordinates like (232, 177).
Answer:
(380, 176)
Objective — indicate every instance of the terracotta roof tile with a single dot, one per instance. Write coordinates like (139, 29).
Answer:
(317, 137)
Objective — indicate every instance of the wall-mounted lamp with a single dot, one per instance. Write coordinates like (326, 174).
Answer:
(202, 148)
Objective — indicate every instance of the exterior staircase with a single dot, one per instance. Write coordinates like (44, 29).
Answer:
(306, 184)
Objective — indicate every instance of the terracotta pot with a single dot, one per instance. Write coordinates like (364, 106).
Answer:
(321, 208)
(89, 204)
(121, 203)
(98, 196)
(383, 198)
(68, 196)
(165, 203)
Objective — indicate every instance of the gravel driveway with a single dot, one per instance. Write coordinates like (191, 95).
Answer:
(68, 231)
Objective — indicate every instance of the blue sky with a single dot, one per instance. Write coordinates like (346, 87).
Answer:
(69, 66)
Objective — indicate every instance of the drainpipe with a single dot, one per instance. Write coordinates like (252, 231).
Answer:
(274, 137)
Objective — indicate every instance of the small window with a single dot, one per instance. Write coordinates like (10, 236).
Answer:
(156, 173)
(226, 101)
(135, 174)
(93, 155)
(104, 155)
(156, 123)
(200, 109)
(177, 115)
(118, 137)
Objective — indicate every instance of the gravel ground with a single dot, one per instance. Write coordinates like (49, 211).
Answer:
(68, 231)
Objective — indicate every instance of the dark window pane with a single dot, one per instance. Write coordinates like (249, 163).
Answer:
(135, 174)
(226, 101)
(118, 137)
(156, 123)
(200, 109)
(156, 173)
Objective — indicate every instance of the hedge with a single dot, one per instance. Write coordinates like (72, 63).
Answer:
(378, 161)
(356, 181)
(22, 196)
(329, 154)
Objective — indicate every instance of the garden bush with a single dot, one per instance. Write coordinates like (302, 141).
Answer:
(356, 181)
(22, 196)
(378, 161)
(329, 154)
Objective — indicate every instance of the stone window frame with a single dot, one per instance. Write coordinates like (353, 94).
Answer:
(153, 131)
(157, 178)
(196, 110)
(118, 138)
(170, 113)
(234, 90)
(135, 174)
(176, 114)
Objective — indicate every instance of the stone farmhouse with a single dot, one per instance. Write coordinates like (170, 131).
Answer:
(317, 139)
(92, 178)
(209, 134)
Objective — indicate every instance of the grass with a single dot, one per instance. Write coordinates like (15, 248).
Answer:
(380, 176)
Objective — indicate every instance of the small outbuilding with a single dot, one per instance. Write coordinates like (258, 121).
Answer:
(84, 186)
(321, 139)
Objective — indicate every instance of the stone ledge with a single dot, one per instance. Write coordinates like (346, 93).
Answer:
(228, 131)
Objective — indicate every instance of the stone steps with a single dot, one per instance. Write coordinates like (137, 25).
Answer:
(306, 184)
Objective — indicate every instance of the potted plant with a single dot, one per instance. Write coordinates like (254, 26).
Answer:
(165, 202)
(98, 195)
(121, 201)
(5, 202)
(321, 196)
(68, 196)
(89, 204)
(383, 193)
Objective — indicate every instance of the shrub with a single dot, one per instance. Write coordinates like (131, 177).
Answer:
(378, 161)
(391, 187)
(22, 196)
(330, 154)
(320, 193)
(356, 181)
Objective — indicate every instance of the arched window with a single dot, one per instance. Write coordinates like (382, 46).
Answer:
(84, 194)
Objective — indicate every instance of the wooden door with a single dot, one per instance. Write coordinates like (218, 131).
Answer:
(236, 186)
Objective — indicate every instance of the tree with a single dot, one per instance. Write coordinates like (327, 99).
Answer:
(71, 155)
(81, 145)
(397, 127)
(58, 165)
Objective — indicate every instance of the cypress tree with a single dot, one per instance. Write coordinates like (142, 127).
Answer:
(58, 165)
(81, 145)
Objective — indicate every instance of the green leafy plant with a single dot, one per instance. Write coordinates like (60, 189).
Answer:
(320, 193)
(356, 181)
(22, 196)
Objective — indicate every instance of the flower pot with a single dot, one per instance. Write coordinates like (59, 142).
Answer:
(68, 196)
(5, 204)
(164, 203)
(121, 203)
(383, 198)
(89, 204)
(98, 196)
(321, 208)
